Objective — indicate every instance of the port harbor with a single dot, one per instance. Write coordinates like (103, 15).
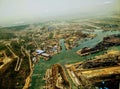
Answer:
(59, 44)
(73, 57)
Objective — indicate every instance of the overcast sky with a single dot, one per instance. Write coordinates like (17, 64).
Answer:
(23, 11)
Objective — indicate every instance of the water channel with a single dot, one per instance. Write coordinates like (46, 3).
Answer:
(67, 57)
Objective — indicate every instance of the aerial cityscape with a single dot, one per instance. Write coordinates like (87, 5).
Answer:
(75, 47)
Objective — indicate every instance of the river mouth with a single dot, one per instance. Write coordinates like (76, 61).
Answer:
(70, 56)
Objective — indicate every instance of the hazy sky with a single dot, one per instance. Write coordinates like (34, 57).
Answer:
(23, 11)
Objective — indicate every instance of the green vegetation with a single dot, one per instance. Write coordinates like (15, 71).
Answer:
(44, 38)
(14, 79)
(17, 28)
(50, 35)
(7, 35)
